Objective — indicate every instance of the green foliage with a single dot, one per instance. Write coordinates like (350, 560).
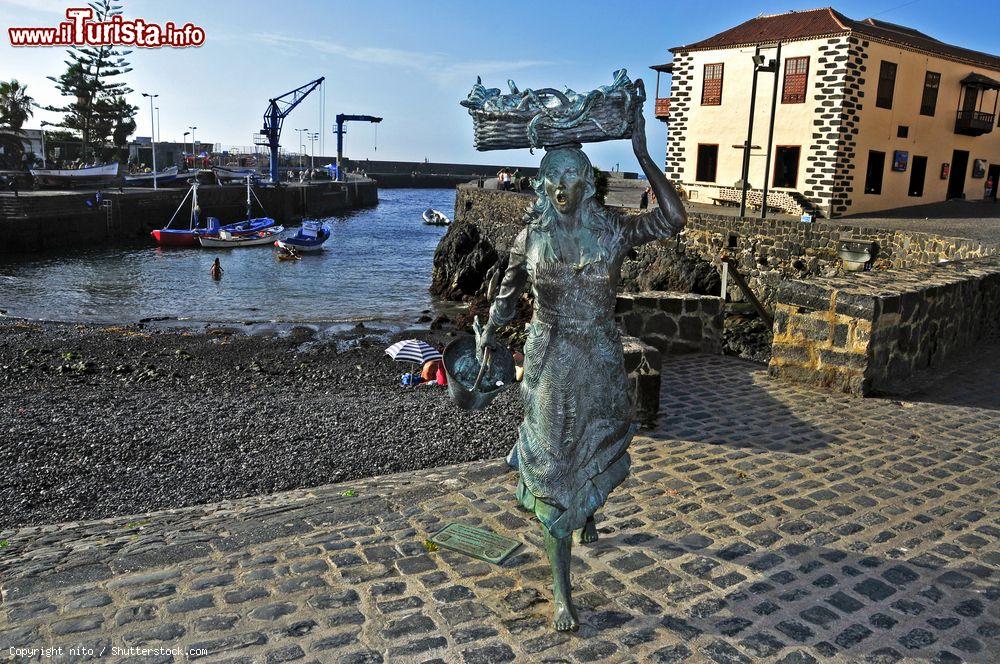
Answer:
(97, 109)
(600, 185)
(16, 106)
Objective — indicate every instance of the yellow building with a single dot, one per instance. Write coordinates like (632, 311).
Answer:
(868, 115)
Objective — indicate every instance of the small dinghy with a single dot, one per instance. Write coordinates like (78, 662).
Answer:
(310, 237)
(433, 217)
(227, 240)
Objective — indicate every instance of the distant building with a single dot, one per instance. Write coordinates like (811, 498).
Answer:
(168, 153)
(869, 115)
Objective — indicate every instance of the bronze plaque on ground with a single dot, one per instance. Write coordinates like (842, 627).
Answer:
(475, 542)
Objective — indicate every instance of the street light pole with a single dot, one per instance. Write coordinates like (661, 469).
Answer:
(152, 129)
(158, 134)
(193, 148)
(312, 150)
(42, 125)
(776, 63)
(757, 59)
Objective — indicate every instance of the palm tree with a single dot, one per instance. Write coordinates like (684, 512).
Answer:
(15, 105)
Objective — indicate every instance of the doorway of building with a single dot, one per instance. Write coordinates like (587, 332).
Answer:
(918, 172)
(786, 166)
(993, 175)
(956, 180)
(873, 176)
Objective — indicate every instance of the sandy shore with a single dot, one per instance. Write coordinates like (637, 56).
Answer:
(101, 421)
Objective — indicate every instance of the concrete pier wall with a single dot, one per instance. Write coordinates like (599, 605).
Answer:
(38, 221)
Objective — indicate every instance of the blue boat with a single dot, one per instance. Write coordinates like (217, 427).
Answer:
(310, 237)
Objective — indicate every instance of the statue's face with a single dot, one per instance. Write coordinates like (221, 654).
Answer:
(564, 183)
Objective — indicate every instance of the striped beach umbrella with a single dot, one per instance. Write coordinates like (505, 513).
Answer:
(412, 350)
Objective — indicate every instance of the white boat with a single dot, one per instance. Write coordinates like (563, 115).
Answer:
(76, 177)
(228, 173)
(146, 179)
(227, 240)
(434, 217)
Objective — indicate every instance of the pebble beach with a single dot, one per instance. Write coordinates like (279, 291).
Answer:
(106, 421)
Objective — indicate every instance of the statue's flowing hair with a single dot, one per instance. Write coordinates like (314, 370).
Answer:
(542, 215)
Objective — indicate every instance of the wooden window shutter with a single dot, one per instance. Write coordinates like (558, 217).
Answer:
(796, 77)
(711, 89)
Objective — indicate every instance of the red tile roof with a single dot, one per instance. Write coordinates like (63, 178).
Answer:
(826, 21)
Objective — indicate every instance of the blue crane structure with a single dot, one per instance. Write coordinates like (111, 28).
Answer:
(277, 110)
(339, 131)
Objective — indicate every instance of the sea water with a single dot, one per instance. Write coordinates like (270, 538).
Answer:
(376, 266)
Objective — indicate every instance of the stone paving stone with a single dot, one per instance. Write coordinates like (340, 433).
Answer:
(763, 522)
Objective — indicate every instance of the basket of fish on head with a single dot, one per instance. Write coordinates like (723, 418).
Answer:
(548, 117)
(474, 380)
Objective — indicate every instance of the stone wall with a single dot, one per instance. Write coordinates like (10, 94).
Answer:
(672, 322)
(42, 221)
(767, 251)
(770, 251)
(884, 332)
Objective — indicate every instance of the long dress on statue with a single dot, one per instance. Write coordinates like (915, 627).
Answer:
(572, 448)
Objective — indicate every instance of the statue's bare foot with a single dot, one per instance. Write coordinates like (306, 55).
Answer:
(564, 617)
(587, 534)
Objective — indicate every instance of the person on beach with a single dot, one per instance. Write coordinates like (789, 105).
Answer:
(644, 199)
(216, 270)
(572, 447)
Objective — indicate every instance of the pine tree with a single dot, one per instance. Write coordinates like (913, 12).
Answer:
(98, 111)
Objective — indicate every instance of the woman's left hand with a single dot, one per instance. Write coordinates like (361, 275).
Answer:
(639, 123)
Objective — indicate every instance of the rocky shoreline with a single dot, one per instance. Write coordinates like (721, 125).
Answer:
(110, 421)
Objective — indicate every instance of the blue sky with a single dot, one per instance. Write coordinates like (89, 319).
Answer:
(412, 62)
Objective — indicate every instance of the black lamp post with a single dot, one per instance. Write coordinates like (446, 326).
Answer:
(758, 66)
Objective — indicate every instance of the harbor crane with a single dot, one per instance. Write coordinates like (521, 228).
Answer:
(277, 110)
(339, 131)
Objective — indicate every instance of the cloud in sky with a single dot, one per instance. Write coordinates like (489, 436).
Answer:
(439, 67)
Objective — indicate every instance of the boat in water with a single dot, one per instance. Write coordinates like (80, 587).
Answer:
(75, 177)
(146, 179)
(310, 237)
(170, 236)
(226, 240)
(434, 217)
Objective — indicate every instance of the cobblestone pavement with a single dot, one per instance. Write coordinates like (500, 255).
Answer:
(762, 522)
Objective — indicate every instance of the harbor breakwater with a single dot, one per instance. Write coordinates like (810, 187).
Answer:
(41, 220)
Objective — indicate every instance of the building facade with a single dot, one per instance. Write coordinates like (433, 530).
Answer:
(868, 116)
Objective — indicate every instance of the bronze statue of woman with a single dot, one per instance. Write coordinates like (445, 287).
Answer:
(572, 447)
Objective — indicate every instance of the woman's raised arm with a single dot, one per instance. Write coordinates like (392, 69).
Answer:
(672, 215)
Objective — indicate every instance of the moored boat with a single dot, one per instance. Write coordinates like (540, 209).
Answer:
(146, 179)
(310, 237)
(229, 173)
(226, 240)
(434, 217)
(183, 237)
(76, 177)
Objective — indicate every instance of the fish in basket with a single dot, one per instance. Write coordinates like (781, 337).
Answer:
(547, 117)
(472, 383)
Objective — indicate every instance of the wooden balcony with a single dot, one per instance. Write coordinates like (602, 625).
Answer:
(663, 108)
(967, 123)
